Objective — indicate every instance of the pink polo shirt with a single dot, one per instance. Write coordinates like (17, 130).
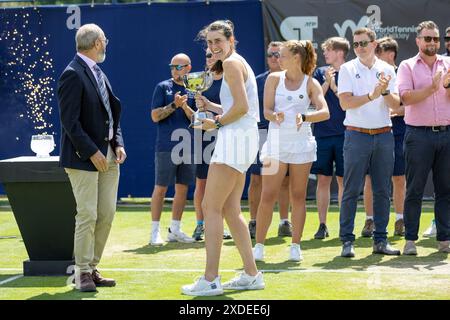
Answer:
(415, 74)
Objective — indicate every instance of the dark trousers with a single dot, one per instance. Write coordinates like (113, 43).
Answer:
(426, 150)
(362, 152)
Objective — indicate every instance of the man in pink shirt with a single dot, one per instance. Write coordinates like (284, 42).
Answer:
(423, 83)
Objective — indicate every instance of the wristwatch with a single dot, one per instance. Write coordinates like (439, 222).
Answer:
(218, 124)
(173, 106)
(386, 92)
(303, 117)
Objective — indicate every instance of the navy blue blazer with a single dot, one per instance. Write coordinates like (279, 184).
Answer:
(84, 119)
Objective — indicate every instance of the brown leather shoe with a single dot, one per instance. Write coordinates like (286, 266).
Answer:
(86, 283)
(367, 231)
(399, 228)
(102, 282)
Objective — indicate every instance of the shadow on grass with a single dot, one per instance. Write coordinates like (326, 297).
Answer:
(148, 249)
(36, 282)
(268, 267)
(68, 295)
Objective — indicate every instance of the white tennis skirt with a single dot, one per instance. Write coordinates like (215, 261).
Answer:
(237, 144)
(290, 146)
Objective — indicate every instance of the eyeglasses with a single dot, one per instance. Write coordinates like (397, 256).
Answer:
(447, 39)
(209, 55)
(428, 38)
(361, 44)
(179, 67)
(105, 40)
(273, 54)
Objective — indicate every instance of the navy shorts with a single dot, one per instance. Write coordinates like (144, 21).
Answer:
(399, 164)
(168, 173)
(201, 170)
(329, 151)
(256, 167)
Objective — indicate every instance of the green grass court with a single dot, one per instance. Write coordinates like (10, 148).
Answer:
(157, 273)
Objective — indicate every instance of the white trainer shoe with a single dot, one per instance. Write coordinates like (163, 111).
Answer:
(431, 231)
(295, 253)
(245, 282)
(179, 236)
(156, 239)
(258, 252)
(203, 287)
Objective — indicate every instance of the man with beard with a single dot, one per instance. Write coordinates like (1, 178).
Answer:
(171, 111)
(423, 83)
(91, 151)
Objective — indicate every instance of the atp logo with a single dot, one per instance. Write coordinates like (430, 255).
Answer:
(371, 20)
(299, 28)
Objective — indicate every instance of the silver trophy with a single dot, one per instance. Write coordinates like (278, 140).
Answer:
(197, 82)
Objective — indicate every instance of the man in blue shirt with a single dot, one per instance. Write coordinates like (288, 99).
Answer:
(255, 186)
(329, 134)
(173, 165)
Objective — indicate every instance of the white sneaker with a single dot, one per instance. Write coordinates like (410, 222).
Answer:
(431, 231)
(258, 252)
(179, 236)
(295, 253)
(245, 282)
(156, 239)
(203, 287)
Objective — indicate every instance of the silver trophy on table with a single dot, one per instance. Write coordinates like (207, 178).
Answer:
(197, 82)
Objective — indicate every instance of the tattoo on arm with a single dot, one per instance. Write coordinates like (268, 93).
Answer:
(164, 112)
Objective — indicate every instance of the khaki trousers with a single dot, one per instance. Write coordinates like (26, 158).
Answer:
(95, 195)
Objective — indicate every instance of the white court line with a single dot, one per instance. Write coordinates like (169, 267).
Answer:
(370, 270)
(10, 279)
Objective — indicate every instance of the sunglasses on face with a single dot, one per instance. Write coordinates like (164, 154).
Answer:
(273, 54)
(361, 44)
(178, 67)
(209, 55)
(428, 39)
(447, 39)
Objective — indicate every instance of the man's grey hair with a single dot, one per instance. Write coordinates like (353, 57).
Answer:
(86, 36)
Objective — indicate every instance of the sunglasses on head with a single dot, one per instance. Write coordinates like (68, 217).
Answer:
(178, 66)
(428, 39)
(447, 39)
(273, 54)
(361, 44)
(209, 55)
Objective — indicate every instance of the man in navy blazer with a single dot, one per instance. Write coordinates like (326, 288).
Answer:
(92, 149)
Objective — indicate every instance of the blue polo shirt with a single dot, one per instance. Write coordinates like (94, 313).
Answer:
(260, 82)
(335, 125)
(162, 96)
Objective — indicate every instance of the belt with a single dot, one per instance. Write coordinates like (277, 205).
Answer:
(432, 128)
(370, 131)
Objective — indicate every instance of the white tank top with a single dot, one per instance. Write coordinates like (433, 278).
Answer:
(291, 103)
(226, 99)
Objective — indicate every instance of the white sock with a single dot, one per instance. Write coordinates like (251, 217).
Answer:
(398, 216)
(369, 217)
(175, 225)
(155, 225)
(282, 221)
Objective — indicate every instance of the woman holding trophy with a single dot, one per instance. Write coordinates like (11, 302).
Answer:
(235, 151)
(290, 143)
(208, 141)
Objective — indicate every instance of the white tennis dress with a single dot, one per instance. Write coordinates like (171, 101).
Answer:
(237, 142)
(284, 143)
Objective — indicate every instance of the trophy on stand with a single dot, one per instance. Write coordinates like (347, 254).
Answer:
(197, 82)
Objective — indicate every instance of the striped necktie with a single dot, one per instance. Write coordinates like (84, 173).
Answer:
(105, 96)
